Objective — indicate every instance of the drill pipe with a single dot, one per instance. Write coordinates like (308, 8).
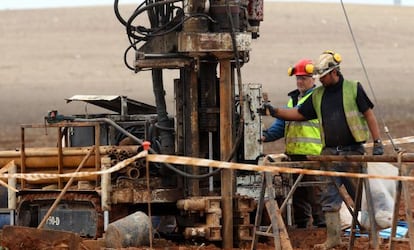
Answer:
(48, 157)
(51, 151)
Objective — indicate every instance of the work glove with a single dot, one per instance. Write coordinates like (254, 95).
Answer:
(269, 109)
(378, 148)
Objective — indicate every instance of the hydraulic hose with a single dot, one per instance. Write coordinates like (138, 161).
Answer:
(139, 141)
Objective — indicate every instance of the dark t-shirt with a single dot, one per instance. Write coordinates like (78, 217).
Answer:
(335, 127)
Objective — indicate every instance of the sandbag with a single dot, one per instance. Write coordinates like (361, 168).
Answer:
(383, 196)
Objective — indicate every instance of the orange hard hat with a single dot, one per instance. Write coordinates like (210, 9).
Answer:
(302, 67)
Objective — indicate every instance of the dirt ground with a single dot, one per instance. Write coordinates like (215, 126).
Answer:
(48, 55)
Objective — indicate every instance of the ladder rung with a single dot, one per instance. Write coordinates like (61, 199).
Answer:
(400, 239)
(264, 234)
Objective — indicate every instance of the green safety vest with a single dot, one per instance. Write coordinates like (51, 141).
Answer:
(355, 119)
(302, 137)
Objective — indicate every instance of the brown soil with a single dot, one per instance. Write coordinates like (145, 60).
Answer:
(49, 55)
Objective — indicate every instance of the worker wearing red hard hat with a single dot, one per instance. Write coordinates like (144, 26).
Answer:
(301, 139)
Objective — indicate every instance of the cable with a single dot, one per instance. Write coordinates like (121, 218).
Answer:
(139, 141)
(387, 132)
(153, 20)
(161, 11)
(126, 54)
(177, 25)
(118, 15)
(239, 79)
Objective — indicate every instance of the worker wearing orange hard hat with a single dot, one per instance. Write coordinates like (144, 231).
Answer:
(346, 119)
(301, 139)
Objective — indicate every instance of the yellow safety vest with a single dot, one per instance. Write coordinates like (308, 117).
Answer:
(355, 119)
(302, 137)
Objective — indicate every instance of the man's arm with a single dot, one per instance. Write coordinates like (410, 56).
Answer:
(275, 131)
(372, 124)
(287, 114)
(378, 148)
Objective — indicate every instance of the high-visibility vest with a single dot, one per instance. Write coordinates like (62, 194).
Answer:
(302, 137)
(354, 118)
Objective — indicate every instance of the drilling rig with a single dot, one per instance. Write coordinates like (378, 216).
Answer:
(216, 117)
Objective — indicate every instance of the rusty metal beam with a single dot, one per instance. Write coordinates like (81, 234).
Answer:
(195, 132)
(226, 144)
(405, 157)
(131, 195)
(179, 114)
(194, 204)
(159, 44)
(162, 63)
(212, 42)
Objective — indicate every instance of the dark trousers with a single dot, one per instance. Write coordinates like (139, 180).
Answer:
(330, 198)
(306, 204)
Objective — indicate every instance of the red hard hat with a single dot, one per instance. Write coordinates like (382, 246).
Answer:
(302, 67)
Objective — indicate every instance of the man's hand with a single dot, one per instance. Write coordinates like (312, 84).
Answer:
(378, 148)
(269, 109)
(262, 139)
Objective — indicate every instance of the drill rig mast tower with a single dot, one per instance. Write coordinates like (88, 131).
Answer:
(207, 41)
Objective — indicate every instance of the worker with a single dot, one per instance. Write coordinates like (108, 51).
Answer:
(346, 118)
(301, 139)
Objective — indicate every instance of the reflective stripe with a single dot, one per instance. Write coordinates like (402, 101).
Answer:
(312, 124)
(304, 140)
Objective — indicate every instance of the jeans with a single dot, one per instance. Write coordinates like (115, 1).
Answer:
(331, 199)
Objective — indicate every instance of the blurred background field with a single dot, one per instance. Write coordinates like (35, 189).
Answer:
(52, 54)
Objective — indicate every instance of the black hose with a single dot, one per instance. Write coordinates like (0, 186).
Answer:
(126, 54)
(118, 15)
(130, 28)
(139, 141)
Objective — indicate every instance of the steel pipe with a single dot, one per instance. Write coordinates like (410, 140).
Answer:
(52, 151)
(133, 173)
(49, 162)
(192, 204)
(48, 157)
